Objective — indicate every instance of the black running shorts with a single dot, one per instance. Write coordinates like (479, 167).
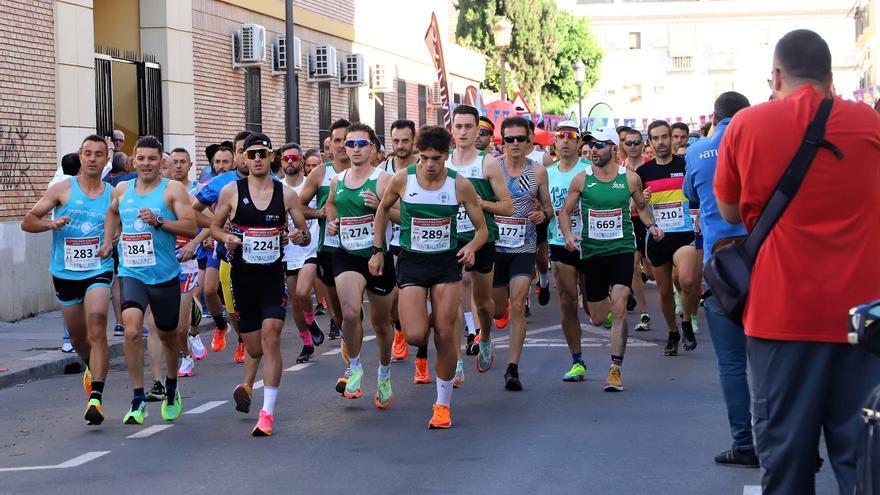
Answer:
(601, 273)
(163, 300)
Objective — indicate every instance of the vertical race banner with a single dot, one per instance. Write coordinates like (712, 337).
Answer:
(433, 40)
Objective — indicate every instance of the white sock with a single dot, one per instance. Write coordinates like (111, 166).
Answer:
(354, 362)
(469, 321)
(545, 280)
(269, 394)
(384, 371)
(444, 392)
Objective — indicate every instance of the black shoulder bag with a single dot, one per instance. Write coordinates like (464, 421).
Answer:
(729, 271)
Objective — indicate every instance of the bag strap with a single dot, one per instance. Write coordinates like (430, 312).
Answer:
(791, 180)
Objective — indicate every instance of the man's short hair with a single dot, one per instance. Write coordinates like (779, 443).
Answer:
(515, 121)
(182, 150)
(96, 139)
(120, 160)
(313, 152)
(404, 124)
(70, 164)
(222, 148)
(434, 137)
(659, 123)
(149, 142)
(467, 110)
(339, 124)
(681, 126)
(290, 146)
(803, 54)
(624, 129)
(361, 127)
(728, 103)
(241, 136)
(631, 131)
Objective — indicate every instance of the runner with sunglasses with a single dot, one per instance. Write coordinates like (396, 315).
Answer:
(486, 136)
(633, 146)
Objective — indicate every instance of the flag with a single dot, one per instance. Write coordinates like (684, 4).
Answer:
(433, 40)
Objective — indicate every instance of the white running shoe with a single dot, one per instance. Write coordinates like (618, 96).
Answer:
(186, 366)
(197, 348)
(66, 347)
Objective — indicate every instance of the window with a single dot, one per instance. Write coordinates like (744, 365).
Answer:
(253, 111)
(401, 99)
(323, 111)
(423, 105)
(354, 107)
(635, 41)
(379, 109)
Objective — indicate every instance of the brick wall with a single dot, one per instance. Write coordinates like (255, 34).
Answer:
(27, 104)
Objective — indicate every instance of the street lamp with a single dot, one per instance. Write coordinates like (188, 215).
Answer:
(502, 32)
(579, 75)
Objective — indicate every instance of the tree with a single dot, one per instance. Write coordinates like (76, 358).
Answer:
(474, 30)
(576, 42)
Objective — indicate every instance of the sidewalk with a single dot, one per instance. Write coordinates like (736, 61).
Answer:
(30, 348)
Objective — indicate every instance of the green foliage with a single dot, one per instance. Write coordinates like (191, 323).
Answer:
(475, 21)
(532, 52)
(576, 42)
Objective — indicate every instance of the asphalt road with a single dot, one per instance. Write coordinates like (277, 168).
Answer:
(658, 436)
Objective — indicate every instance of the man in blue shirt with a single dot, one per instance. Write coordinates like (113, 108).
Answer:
(728, 338)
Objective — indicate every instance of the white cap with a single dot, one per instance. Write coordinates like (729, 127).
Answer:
(605, 135)
(568, 124)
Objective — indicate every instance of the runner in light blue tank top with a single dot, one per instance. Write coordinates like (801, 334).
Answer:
(75, 246)
(146, 253)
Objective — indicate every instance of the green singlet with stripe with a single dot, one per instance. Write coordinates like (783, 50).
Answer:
(427, 216)
(355, 218)
(474, 172)
(608, 225)
(321, 198)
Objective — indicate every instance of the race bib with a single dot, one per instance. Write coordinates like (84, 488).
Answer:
(693, 212)
(605, 224)
(577, 225)
(330, 240)
(81, 254)
(356, 232)
(430, 235)
(669, 215)
(511, 231)
(260, 246)
(137, 250)
(463, 221)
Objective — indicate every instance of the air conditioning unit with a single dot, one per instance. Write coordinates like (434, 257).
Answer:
(249, 46)
(279, 55)
(322, 63)
(435, 98)
(351, 71)
(381, 80)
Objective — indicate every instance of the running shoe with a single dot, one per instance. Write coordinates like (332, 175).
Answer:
(242, 397)
(218, 343)
(677, 296)
(577, 373)
(94, 412)
(343, 381)
(306, 353)
(644, 323)
(543, 294)
(694, 324)
(239, 353)
(319, 310)
(334, 331)
(195, 314)
(264, 425)
(672, 341)
(400, 349)
(172, 406)
(87, 381)
(317, 333)
(688, 339)
(613, 383)
(118, 330)
(631, 303)
(196, 347)
(156, 393)
(511, 381)
(422, 374)
(441, 418)
(353, 385)
(135, 416)
(186, 367)
(504, 320)
(66, 347)
(485, 356)
(384, 396)
(738, 458)
(458, 379)
(608, 321)
(472, 347)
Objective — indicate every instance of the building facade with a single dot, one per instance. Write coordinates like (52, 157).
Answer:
(865, 15)
(165, 67)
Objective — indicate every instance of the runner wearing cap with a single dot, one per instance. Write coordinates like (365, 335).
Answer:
(486, 136)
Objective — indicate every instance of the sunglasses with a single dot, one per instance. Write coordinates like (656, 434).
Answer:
(566, 134)
(258, 153)
(291, 157)
(485, 132)
(515, 139)
(115, 140)
(357, 143)
(634, 142)
(600, 144)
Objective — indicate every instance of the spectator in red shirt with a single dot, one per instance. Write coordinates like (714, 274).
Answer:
(820, 259)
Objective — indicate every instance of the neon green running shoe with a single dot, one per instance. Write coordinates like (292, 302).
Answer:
(353, 386)
(608, 321)
(694, 324)
(172, 406)
(136, 416)
(384, 396)
(94, 414)
(577, 373)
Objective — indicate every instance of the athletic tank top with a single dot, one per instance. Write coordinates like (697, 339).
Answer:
(191, 265)
(474, 173)
(75, 246)
(427, 216)
(325, 245)
(146, 253)
(537, 156)
(355, 218)
(296, 256)
(395, 228)
(516, 234)
(558, 183)
(607, 226)
(260, 230)
(668, 202)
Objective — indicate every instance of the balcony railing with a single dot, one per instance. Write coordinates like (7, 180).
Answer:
(681, 64)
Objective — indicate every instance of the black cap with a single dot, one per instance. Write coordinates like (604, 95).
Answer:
(211, 149)
(257, 140)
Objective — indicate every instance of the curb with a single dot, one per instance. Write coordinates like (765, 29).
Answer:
(57, 367)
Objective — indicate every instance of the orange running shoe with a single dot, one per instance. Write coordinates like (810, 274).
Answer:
(400, 350)
(239, 353)
(242, 396)
(264, 425)
(504, 320)
(441, 417)
(87, 381)
(218, 343)
(422, 374)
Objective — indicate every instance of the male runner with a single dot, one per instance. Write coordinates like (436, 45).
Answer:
(679, 135)
(153, 211)
(602, 193)
(82, 279)
(429, 195)
(632, 147)
(662, 179)
(486, 135)
(542, 258)
(517, 237)
(258, 208)
(354, 195)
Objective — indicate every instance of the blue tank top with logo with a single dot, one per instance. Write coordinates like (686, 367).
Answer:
(146, 253)
(75, 246)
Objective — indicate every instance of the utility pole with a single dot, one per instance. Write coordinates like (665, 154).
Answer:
(291, 103)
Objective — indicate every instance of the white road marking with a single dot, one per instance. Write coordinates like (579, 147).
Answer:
(149, 431)
(338, 350)
(207, 406)
(298, 366)
(752, 490)
(76, 461)
(369, 338)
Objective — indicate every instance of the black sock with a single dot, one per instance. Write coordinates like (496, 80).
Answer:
(513, 369)
(687, 327)
(422, 352)
(170, 389)
(617, 360)
(86, 360)
(396, 325)
(97, 390)
(220, 321)
(139, 397)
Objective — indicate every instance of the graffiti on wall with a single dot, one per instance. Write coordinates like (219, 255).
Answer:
(14, 167)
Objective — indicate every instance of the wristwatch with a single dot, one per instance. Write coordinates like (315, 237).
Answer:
(160, 221)
(377, 250)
